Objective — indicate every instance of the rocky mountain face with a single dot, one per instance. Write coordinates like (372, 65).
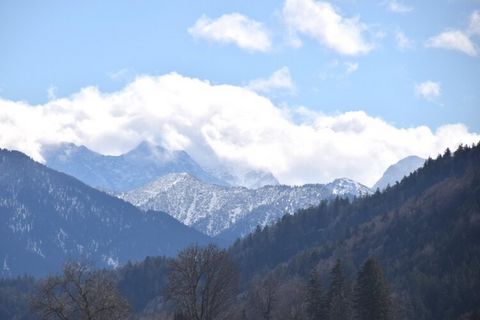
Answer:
(47, 217)
(396, 172)
(230, 212)
(128, 171)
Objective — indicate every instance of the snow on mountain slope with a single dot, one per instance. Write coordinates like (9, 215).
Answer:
(397, 171)
(212, 209)
(128, 171)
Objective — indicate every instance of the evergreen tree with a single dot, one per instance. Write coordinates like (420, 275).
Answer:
(372, 295)
(315, 297)
(338, 303)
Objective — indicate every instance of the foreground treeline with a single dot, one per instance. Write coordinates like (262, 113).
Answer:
(424, 231)
(203, 284)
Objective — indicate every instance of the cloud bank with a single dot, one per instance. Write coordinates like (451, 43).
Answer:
(235, 29)
(223, 122)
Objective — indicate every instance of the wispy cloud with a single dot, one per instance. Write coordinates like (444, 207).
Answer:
(280, 80)
(403, 42)
(351, 67)
(399, 7)
(52, 92)
(428, 90)
(339, 70)
(453, 40)
(474, 25)
(120, 75)
(235, 29)
(321, 21)
(457, 39)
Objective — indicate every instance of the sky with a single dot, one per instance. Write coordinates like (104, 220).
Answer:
(308, 90)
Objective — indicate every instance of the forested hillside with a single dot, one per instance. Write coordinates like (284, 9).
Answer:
(425, 231)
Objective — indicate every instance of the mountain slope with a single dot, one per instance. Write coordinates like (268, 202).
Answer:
(47, 217)
(396, 172)
(131, 170)
(230, 212)
(425, 231)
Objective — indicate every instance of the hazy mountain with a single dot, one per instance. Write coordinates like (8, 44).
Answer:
(214, 209)
(47, 217)
(255, 179)
(252, 179)
(397, 171)
(128, 171)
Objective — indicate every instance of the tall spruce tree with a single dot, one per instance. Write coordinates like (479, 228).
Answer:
(338, 298)
(315, 297)
(372, 294)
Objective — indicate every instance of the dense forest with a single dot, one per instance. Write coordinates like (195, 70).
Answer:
(411, 251)
(424, 230)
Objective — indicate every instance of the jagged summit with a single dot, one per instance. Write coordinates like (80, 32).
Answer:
(216, 210)
(345, 186)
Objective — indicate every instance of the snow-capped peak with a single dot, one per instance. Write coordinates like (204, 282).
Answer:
(345, 186)
(214, 209)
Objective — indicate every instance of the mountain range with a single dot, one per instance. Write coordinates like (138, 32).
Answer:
(47, 217)
(212, 201)
(232, 212)
(141, 165)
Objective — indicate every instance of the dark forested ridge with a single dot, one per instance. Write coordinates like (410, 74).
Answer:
(47, 217)
(424, 230)
(424, 233)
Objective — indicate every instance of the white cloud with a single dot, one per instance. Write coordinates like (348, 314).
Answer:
(235, 29)
(453, 40)
(350, 67)
(223, 122)
(279, 80)
(398, 7)
(403, 42)
(322, 22)
(428, 90)
(474, 26)
(338, 70)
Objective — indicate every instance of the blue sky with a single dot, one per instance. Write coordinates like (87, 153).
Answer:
(70, 45)
(409, 63)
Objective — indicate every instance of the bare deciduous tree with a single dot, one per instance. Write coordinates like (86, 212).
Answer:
(263, 298)
(202, 283)
(79, 293)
